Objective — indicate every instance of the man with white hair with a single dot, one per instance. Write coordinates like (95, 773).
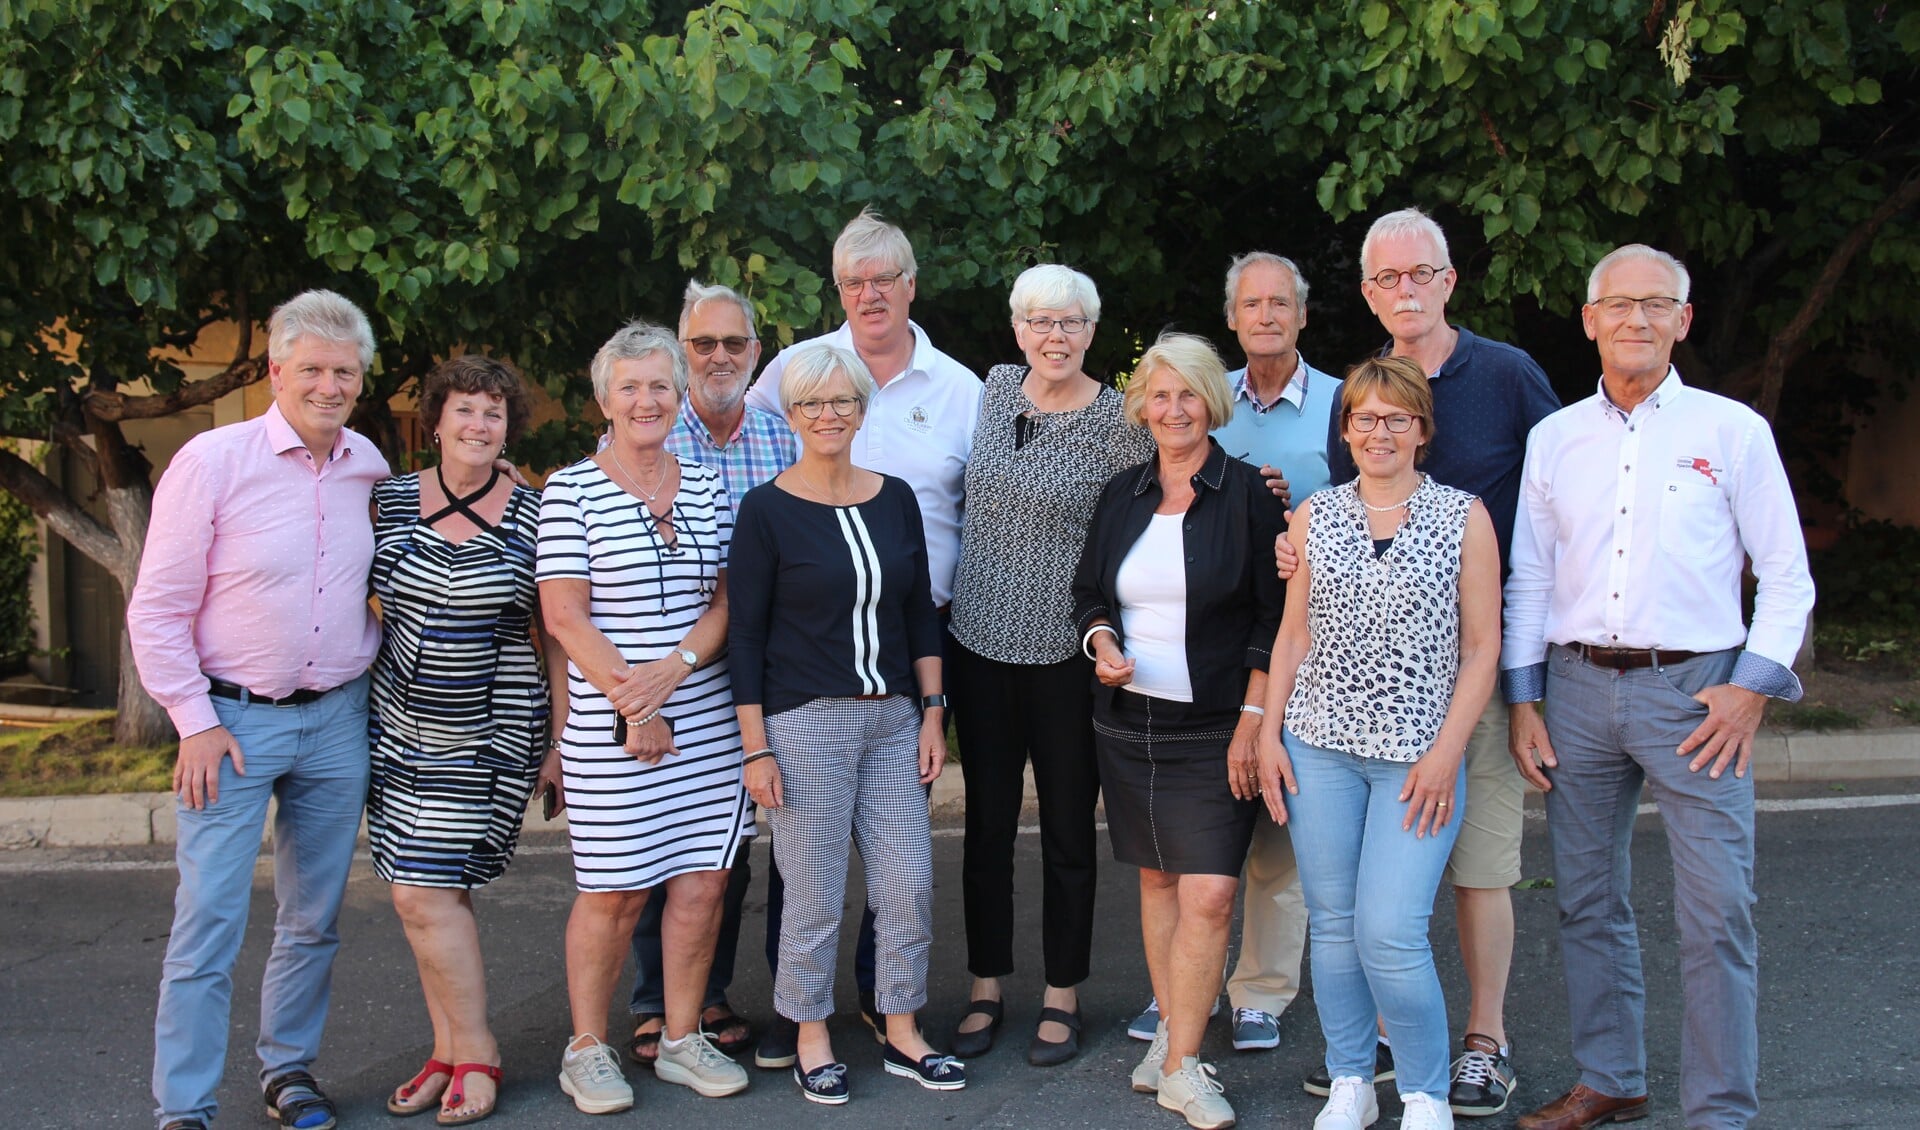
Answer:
(1640, 506)
(1486, 396)
(919, 427)
(250, 625)
(746, 446)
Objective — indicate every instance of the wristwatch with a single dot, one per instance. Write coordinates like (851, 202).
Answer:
(928, 702)
(691, 656)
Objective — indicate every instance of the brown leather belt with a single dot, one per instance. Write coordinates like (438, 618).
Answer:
(870, 697)
(1630, 658)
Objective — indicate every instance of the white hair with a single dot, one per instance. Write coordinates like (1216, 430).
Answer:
(812, 368)
(637, 341)
(868, 238)
(699, 293)
(1407, 221)
(1641, 253)
(322, 314)
(1239, 267)
(1051, 286)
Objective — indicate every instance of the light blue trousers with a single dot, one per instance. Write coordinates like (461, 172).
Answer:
(1612, 731)
(1369, 887)
(313, 758)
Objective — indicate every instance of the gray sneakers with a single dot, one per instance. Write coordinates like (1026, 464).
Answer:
(696, 1063)
(1195, 1092)
(1146, 1076)
(591, 1075)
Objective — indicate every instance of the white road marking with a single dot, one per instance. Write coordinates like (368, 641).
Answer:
(28, 866)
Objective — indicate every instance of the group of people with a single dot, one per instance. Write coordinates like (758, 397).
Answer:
(768, 595)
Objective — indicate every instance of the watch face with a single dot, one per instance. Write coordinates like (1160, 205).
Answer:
(691, 659)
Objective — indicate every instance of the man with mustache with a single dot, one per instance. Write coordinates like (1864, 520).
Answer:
(746, 446)
(250, 625)
(919, 427)
(1487, 395)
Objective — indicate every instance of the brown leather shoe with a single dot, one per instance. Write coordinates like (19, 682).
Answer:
(1583, 1107)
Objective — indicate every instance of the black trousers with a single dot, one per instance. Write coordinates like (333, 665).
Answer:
(1006, 714)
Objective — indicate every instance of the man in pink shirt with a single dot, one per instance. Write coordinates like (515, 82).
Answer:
(250, 625)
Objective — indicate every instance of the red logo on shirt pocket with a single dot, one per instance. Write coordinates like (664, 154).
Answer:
(1703, 466)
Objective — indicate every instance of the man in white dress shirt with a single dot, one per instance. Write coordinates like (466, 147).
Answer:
(1638, 509)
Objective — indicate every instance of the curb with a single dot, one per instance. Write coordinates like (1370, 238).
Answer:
(135, 819)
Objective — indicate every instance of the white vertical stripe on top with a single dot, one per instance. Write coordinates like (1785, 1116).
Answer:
(866, 601)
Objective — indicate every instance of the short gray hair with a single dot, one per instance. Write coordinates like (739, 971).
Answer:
(637, 341)
(1239, 267)
(868, 237)
(812, 368)
(322, 314)
(1407, 221)
(1641, 253)
(699, 293)
(1051, 286)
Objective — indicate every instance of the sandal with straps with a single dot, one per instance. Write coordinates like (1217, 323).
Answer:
(456, 1095)
(415, 1085)
(644, 1048)
(295, 1101)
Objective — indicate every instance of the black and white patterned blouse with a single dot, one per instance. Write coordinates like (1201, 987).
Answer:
(1379, 675)
(1032, 483)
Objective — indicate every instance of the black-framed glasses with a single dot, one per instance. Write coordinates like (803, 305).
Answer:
(1073, 325)
(1656, 309)
(1421, 276)
(842, 406)
(882, 284)
(1398, 423)
(705, 346)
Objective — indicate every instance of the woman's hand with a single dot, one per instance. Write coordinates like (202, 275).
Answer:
(549, 778)
(1243, 758)
(1110, 665)
(933, 744)
(1276, 770)
(646, 686)
(651, 742)
(1429, 791)
(763, 782)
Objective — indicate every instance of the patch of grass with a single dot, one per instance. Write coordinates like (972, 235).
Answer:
(1905, 707)
(1816, 716)
(1878, 645)
(80, 759)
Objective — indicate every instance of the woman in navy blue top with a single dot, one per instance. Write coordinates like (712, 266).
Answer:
(835, 647)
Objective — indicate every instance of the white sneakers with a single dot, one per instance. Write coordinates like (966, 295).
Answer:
(591, 1075)
(1424, 1112)
(1195, 1091)
(696, 1063)
(1351, 1106)
(1146, 1076)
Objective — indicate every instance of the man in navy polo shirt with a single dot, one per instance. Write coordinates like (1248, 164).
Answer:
(1487, 396)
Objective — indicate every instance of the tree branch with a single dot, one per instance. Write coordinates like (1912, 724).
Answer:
(1787, 345)
(63, 516)
(117, 406)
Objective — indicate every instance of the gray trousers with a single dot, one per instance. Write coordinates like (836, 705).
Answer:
(851, 765)
(1614, 731)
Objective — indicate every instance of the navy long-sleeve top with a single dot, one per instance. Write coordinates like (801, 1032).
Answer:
(827, 601)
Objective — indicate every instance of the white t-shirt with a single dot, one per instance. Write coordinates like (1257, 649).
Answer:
(919, 428)
(1152, 587)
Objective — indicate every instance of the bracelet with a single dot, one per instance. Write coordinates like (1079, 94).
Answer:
(650, 716)
(755, 756)
(1087, 640)
(1249, 708)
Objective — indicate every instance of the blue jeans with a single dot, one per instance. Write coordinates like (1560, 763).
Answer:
(1614, 731)
(1370, 951)
(313, 758)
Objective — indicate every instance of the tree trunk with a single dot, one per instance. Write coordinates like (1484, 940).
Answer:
(140, 722)
(127, 488)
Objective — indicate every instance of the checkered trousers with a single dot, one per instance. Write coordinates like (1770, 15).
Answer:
(851, 764)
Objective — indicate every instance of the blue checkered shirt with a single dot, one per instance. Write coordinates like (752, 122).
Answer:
(760, 448)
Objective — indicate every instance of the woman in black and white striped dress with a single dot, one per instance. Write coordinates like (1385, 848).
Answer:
(633, 547)
(459, 714)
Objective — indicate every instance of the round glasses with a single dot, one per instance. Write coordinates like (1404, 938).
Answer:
(705, 346)
(1364, 422)
(842, 406)
(1421, 276)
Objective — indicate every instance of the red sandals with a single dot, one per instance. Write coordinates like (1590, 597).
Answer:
(455, 1096)
(415, 1085)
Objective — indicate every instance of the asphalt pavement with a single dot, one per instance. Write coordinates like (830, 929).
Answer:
(83, 933)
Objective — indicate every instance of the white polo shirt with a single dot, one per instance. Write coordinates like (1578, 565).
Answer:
(918, 428)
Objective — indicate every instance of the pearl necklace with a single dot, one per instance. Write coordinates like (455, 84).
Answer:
(1386, 509)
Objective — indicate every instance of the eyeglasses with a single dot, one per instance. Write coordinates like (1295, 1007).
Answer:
(1365, 422)
(882, 284)
(705, 346)
(842, 406)
(1073, 325)
(1421, 275)
(1619, 306)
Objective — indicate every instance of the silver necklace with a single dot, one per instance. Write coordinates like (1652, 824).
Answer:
(815, 489)
(1386, 509)
(649, 496)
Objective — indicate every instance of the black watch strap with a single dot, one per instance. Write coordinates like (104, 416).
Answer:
(929, 701)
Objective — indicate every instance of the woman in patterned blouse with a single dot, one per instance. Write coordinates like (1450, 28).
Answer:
(1385, 658)
(1049, 435)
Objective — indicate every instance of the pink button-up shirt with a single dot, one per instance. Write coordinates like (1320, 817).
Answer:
(255, 569)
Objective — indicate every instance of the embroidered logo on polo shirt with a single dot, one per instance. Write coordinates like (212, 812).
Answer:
(1703, 466)
(917, 420)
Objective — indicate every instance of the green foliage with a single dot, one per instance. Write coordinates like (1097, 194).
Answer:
(1871, 579)
(19, 546)
(1813, 716)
